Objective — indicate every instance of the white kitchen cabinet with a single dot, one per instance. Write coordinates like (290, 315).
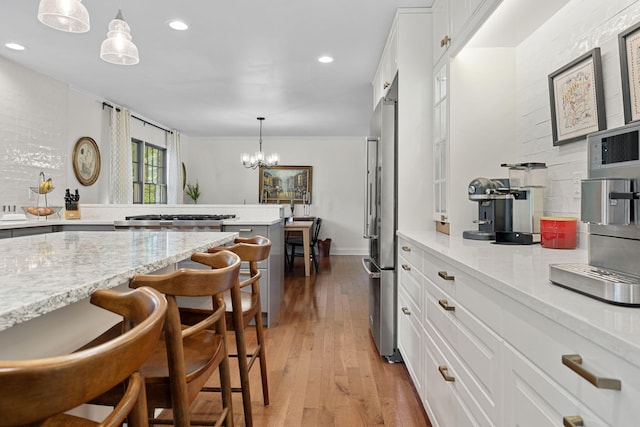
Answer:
(407, 58)
(543, 343)
(387, 67)
(491, 359)
(440, 29)
(466, 16)
(445, 333)
(441, 140)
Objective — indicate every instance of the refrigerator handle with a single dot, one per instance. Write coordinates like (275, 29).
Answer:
(372, 274)
(369, 190)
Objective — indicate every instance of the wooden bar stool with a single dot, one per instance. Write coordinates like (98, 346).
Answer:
(187, 356)
(242, 308)
(41, 390)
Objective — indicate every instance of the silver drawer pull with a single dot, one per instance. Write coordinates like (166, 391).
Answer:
(445, 304)
(572, 421)
(406, 267)
(245, 230)
(406, 248)
(574, 362)
(406, 311)
(443, 371)
(445, 275)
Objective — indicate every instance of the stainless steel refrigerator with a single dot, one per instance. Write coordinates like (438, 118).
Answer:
(380, 228)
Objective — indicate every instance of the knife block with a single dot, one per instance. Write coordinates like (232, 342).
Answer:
(73, 213)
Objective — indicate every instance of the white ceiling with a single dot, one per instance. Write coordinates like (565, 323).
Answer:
(240, 59)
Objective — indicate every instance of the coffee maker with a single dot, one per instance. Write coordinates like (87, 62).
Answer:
(609, 205)
(526, 188)
(494, 207)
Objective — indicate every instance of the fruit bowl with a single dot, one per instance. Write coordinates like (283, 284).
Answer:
(38, 191)
(42, 210)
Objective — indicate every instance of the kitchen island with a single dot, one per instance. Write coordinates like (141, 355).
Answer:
(47, 280)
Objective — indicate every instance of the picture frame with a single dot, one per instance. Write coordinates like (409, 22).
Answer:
(283, 184)
(629, 47)
(86, 161)
(576, 94)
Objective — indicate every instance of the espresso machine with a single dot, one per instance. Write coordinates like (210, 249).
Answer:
(609, 205)
(526, 188)
(494, 207)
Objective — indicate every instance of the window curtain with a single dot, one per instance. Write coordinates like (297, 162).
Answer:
(121, 185)
(174, 168)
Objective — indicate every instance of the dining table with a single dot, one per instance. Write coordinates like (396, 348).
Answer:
(305, 228)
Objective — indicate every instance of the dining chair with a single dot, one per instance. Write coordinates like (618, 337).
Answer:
(40, 391)
(295, 246)
(188, 355)
(243, 307)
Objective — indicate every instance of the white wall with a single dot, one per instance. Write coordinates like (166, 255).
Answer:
(483, 125)
(577, 28)
(337, 187)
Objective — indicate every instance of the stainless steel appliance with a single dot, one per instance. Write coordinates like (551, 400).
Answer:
(526, 187)
(609, 204)
(380, 228)
(178, 222)
(494, 207)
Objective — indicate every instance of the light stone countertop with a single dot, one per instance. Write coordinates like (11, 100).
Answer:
(522, 273)
(46, 272)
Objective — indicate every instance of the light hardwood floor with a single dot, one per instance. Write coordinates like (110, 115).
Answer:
(323, 367)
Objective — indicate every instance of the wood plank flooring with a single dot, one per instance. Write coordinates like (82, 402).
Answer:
(322, 362)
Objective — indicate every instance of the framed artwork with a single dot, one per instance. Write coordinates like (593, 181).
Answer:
(576, 94)
(283, 184)
(86, 161)
(629, 45)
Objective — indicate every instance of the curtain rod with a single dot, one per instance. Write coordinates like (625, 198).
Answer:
(105, 104)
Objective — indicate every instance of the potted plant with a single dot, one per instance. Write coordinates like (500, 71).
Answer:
(193, 191)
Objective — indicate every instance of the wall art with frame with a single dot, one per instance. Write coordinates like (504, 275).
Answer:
(283, 184)
(576, 95)
(629, 45)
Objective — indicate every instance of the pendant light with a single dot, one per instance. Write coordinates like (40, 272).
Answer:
(118, 48)
(64, 15)
(258, 158)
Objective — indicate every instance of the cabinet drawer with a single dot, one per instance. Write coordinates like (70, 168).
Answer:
(409, 338)
(453, 386)
(474, 344)
(478, 298)
(543, 342)
(532, 399)
(412, 283)
(411, 253)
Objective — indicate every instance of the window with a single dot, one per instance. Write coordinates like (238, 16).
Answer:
(149, 169)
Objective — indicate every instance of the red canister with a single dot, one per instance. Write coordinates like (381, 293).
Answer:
(558, 232)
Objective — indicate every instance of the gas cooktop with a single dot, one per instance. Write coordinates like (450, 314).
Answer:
(181, 217)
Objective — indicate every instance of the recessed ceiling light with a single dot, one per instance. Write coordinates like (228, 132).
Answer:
(178, 25)
(15, 46)
(325, 59)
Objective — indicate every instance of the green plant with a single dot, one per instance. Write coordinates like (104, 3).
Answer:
(193, 191)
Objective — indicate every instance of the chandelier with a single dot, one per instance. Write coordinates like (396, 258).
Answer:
(258, 158)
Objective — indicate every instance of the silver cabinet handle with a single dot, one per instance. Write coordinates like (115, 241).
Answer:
(406, 267)
(572, 421)
(445, 304)
(245, 230)
(406, 248)
(406, 311)
(443, 371)
(446, 276)
(574, 362)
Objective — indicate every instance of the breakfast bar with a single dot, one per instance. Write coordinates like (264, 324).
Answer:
(47, 280)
